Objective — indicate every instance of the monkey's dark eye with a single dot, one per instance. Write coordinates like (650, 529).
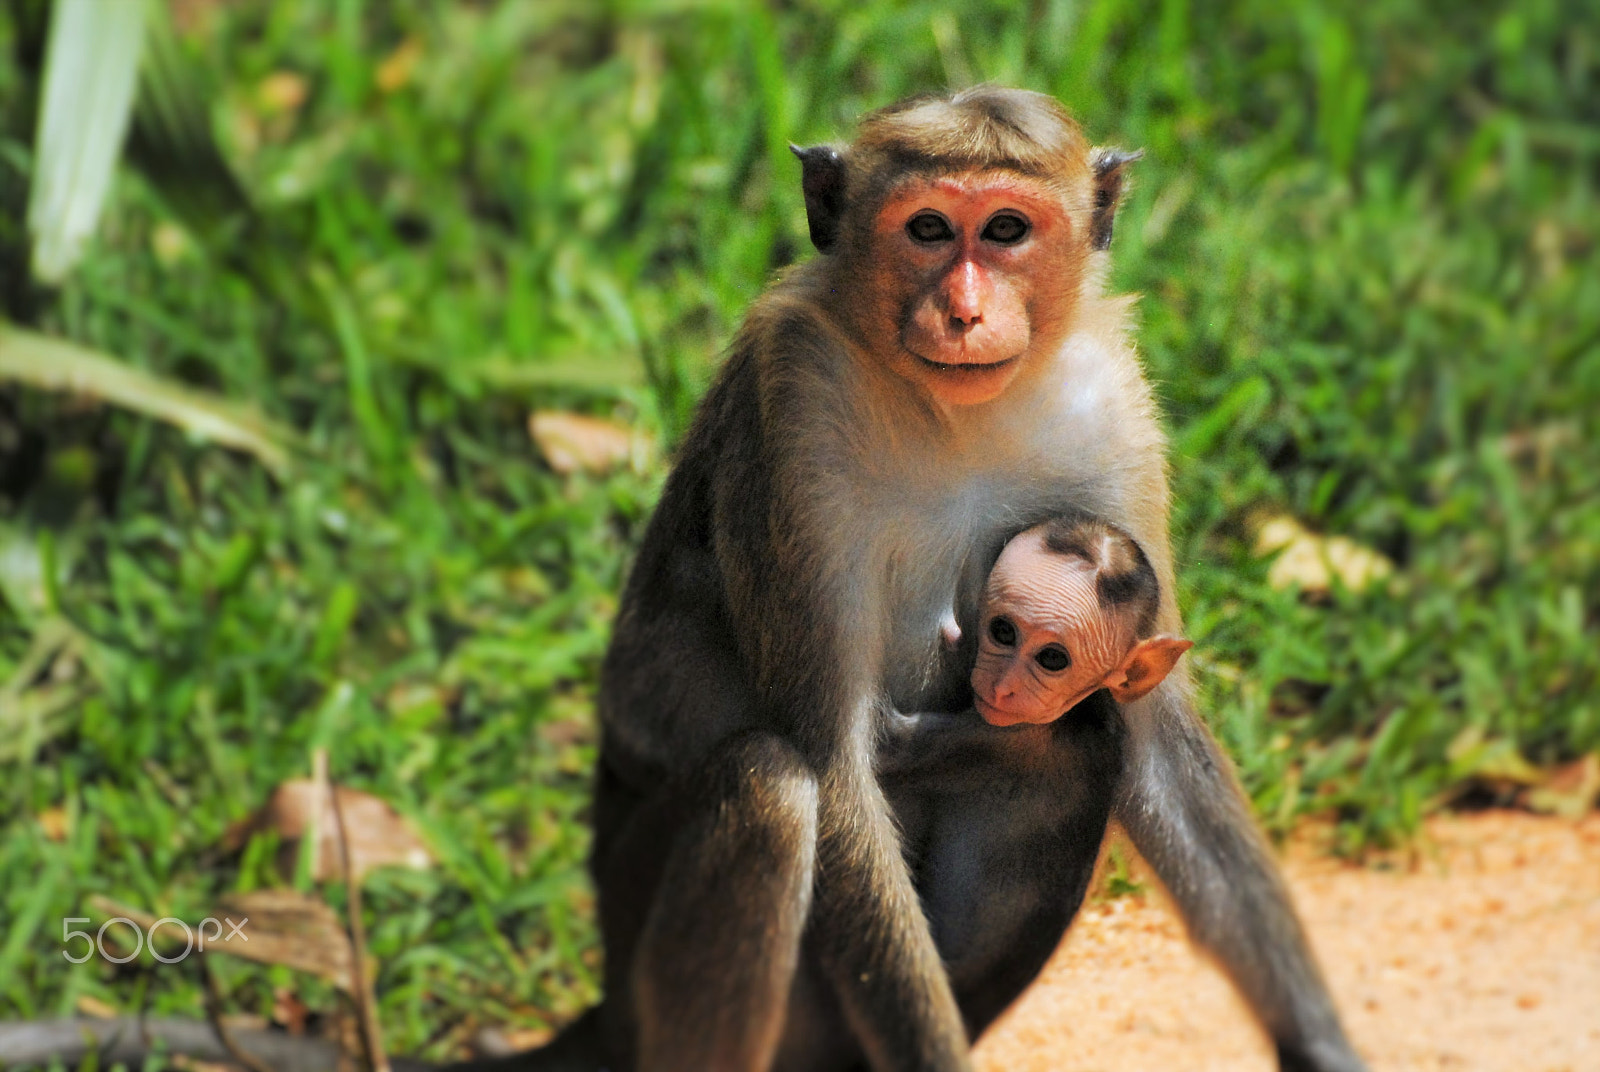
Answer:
(929, 227)
(1002, 632)
(1053, 659)
(1006, 229)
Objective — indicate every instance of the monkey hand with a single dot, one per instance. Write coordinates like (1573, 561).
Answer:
(1323, 1055)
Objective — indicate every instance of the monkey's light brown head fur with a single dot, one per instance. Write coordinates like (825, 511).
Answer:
(985, 127)
(958, 230)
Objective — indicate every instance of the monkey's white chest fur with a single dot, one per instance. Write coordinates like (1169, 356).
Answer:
(934, 510)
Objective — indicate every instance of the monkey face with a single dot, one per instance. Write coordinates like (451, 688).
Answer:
(1045, 642)
(976, 271)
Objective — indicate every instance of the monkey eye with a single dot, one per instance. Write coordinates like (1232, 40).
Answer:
(1007, 229)
(929, 227)
(1053, 659)
(1002, 632)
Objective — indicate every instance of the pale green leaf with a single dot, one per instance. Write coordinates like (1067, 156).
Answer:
(91, 64)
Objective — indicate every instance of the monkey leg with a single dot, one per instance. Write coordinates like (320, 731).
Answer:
(709, 971)
(1184, 810)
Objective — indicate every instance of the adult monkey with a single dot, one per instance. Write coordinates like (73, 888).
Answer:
(946, 374)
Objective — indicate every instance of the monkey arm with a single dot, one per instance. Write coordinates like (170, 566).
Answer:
(787, 601)
(867, 922)
(1181, 804)
(800, 596)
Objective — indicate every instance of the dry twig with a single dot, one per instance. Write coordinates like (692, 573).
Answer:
(360, 984)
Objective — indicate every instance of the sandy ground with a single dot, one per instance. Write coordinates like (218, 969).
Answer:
(1481, 954)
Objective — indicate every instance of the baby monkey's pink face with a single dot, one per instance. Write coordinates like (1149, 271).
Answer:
(1046, 644)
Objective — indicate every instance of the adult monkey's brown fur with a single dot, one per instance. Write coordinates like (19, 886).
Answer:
(945, 375)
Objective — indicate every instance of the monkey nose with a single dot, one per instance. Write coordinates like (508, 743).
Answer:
(964, 297)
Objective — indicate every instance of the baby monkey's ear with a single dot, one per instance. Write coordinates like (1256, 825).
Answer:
(1145, 667)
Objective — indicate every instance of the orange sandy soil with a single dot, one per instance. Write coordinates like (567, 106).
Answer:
(1481, 953)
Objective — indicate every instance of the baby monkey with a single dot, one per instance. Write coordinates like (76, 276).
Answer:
(1068, 609)
(1020, 797)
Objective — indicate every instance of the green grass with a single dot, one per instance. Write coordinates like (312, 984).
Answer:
(1367, 249)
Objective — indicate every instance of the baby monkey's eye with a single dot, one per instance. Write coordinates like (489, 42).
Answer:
(1002, 632)
(1006, 229)
(929, 227)
(1053, 659)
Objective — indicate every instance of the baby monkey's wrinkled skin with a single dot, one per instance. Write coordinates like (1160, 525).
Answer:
(1047, 639)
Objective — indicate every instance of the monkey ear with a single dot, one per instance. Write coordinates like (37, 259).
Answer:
(1145, 667)
(1108, 164)
(822, 179)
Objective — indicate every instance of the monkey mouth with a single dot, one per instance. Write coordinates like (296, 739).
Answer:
(997, 716)
(965, 368)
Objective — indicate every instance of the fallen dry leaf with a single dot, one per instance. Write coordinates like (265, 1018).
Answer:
(289, 928)
(281, 92)
(377, 835)
(55, 823)
(267, 926)
(1312, 561)
(1569, 790)
(395, 71)
(1494, 764)
(91, 1006)
(505, 1041)
(571, 442)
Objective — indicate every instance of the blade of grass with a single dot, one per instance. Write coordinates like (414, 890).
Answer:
(54, 365)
